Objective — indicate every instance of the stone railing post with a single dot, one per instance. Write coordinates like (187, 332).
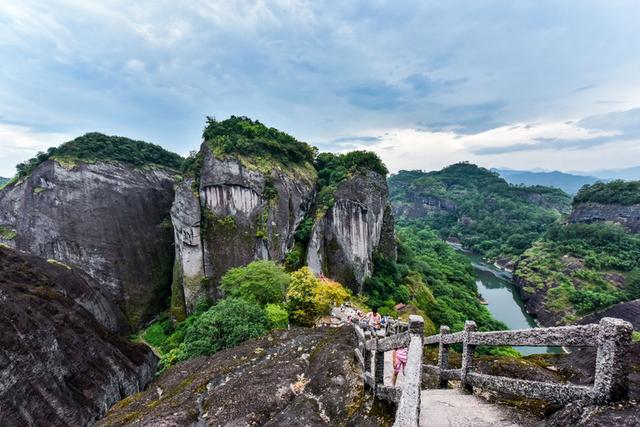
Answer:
(443, 357)
(467, 354)
(378, 365)
(408, 413)
(611, 381)
(367, 356)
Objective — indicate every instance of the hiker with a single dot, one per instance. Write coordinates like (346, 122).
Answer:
(374, 320)
(399, 362)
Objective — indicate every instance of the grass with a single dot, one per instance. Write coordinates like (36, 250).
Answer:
(6, 233)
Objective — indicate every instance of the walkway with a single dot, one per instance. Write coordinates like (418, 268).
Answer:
(452, 408)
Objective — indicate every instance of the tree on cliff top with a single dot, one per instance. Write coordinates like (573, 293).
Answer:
(98, 147)
(614, 192)
(246, 137)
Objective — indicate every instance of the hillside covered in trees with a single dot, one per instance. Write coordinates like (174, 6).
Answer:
(92, 147)
(477, 207)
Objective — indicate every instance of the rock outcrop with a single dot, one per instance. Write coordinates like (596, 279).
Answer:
(58, 365)
(298, 377)
(358, 224)
(418, 206)
(627, 216)
(188, 269)
(246, 213)
(107, 219)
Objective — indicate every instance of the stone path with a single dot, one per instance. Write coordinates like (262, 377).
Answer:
(451, 408)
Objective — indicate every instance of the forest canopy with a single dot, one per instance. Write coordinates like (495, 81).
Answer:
(614, 192)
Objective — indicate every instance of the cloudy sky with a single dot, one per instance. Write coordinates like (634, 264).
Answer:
(521, 84)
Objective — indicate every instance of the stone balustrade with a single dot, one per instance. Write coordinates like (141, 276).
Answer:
(612, 337)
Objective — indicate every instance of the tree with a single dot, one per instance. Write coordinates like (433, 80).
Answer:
(327, 294)
(261, 281)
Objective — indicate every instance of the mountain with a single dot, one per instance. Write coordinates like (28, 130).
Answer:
(569, 183)
(3, 181)
(588, 263)
(477, 207)
(627, 174)
(99, 204)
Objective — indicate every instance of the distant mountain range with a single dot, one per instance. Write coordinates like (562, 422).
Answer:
(568, 182)
(3, 181)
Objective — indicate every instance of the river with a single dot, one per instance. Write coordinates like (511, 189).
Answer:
(497, 289)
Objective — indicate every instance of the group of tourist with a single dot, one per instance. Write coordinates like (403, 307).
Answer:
(376, 323)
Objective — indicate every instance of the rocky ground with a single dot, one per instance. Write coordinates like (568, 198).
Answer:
(58, 365)
(293, 378)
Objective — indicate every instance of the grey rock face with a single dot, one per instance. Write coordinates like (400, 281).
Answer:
(189, 263)
(627, 216)
(110, 220)
(248, 214)
(343, 242)
(419, 206)
(58, 365)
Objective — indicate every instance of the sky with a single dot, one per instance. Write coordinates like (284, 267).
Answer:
(534, 84)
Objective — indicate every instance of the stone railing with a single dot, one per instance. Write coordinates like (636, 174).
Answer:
(370, 354)
(612, 337)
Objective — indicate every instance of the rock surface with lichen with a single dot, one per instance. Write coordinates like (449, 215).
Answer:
(59, 366)
(299, 377)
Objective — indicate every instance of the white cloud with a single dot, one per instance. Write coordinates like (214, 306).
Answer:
(20, 143)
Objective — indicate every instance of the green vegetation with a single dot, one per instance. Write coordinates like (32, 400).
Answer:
(479, 208)
(246, 137)
(615, 192)
(582, 268)
(263, 282)
(7, 233)
(636, 336)
(95, 146)
(259, 297)
(3, 181)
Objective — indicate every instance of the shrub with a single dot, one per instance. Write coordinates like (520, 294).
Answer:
(261, 281)
(227, 324)
(277, 316)
(300, 297)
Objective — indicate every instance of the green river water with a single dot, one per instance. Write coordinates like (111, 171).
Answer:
(497, 289)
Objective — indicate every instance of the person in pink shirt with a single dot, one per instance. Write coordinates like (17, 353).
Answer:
(400, 356)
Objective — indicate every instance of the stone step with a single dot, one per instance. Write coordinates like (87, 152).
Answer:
(452, 408)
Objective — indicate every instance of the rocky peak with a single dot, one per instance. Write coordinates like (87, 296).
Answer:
(108, 219)
(344, 239)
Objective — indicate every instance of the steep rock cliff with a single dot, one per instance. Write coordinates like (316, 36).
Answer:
(627, 216)
(188, 270)
(248, 213)
(58, 365)
(418, 206)
(108, 219)
(345, 238)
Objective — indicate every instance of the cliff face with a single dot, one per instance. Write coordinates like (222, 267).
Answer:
(417, 206)
(107, 219)
(241, 214)
(188, 269)
(627, 216)
(58, 365)
(360, 222)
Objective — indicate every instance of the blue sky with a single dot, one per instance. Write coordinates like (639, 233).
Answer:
(520, 84)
